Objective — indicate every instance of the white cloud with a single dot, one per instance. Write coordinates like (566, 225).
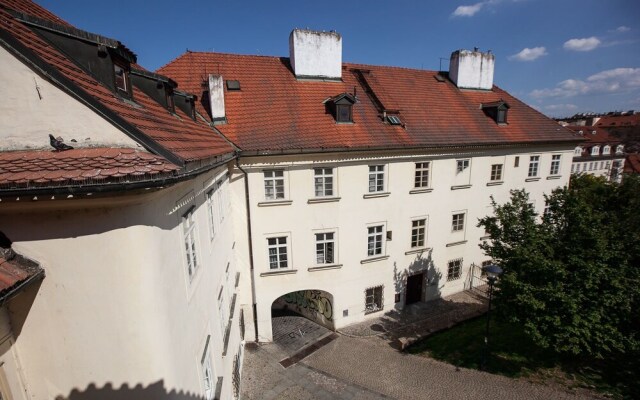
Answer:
(585, 44)
(623, 29)
(616, 80)
(468, 11)
(528, 54)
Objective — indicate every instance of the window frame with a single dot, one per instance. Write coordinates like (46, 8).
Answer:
(125, 79)
(189, 233)
(327, 179)
(206, 365)
(377, 177)
(273, 183)
(534, 166)
(556, 160)
(278, 246)
(462, 164)
(454, 269)
(422, 176)
(324, 242)
(620, 149)
(377, 238)
(457, 224)
(496, 173)
(595, 151)
(577, 151)
(210, 212)
(373, 306)
(419, 233)
(606, 150)
(340, 116)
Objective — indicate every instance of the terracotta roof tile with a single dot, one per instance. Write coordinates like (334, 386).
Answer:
(589, 137)
(14, 271)
(274, 111)
(22, 169)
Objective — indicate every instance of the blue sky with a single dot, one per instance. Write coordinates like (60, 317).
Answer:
(561, 57)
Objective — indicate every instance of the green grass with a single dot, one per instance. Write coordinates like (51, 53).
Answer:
(514, 355)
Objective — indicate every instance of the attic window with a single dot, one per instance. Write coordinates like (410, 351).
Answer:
(170, 104)
(341, 106)
(394, 120)
(233, 85)
(122, 78)
(497, 110)
(343, 113)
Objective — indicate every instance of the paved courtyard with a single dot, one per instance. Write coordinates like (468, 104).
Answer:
(362, 361)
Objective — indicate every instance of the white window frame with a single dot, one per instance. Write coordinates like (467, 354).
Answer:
(619, 149)
(555, 164)
(573, 168)
(578, 151)
(377, 179)
(211, 213)
(422, 177)
(209, 379)
(606, 150)
(189, 239)
(462, 164)
(220, 188)
(370, 303)
(454, 269)
(324, 242)
(457, 222)
(418, 232)
(222, 311)
(595, 151)
(279, 246)
(496, 172)
(376, 235)
(534, 166)
(274, 179)
(325, 181)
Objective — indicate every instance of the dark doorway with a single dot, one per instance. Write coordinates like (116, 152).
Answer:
(414, 288)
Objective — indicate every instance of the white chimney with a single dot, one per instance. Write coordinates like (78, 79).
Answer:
(216, 97)
(315, 54)
(472, 69)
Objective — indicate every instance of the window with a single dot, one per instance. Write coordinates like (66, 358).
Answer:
(502, 116)
(376, 178)
(573, 168)
(595, 151)
(418, 229)
(343, 113)
(619, 149)
(274, 184)
(606, 150)
(461, 165)
(578, 151)
(208, 376)
(170, 103)
(373, 299)
(578, 167)
(278, 252)
(122, 78)
(323, 180)
(457, 222)
(325, 246)
(422, 175)
(496, 172)
(516, 162)
(210, 208)
(608, 164)
(188, 228)
(220, 200)
(454, 269)
(534, 161)
(555, 164)
(374, 240)
(591, 166)
(222, 311)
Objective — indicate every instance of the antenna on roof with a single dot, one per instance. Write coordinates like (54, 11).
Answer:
(442, 58)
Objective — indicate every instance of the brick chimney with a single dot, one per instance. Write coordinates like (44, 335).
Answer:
(472, 69)
(316, 55)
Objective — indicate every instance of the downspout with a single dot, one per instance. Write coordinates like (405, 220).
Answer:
(253, 283)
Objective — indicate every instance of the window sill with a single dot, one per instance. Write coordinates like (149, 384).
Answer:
(554, 177)
(373, 259)
(323, 200)
(420, 190)
(417, 251)
(456, 243)
(376, 194)
(283, 272)
(533, 179)
(456, 187)
(324, 267)
(372, 310)
(272, 203)
(495, 183)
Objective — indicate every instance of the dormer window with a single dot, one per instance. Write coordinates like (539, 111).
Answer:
(578, 151)
(497, 110)
(620, 149)
(606, 150)
(341, 106)
(122, 78)
(595, 151)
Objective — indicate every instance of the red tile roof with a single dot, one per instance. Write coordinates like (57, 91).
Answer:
(632, 166)
(187, 139)
(617, 121)
(29, 169)
(274, 111)
(588, 136)
(15, 270)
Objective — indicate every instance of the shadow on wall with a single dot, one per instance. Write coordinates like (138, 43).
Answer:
(423, 263)
(155, 391)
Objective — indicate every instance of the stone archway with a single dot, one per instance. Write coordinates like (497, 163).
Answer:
(315, 305)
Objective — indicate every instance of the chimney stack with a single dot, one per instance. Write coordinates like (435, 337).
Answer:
(315, 55)
(216, 97)
(472, 69)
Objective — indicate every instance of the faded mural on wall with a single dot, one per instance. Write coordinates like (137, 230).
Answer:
(316, 305)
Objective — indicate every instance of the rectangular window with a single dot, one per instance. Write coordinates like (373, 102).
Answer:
(211, 214)
(222, 311)
(325, 246)
(343, 112)
(606, 150)
(121, 78)
(188, 229)
(457, 222)
(422, 175)
(573, 168)
(278, 252)
(208, 377)
(496, 172)
(591, 166)
(274, 184)
(323, 181)
(374, 240)
(516, 162)
(534, 161)
(461, 165)
(578, 167)
(376, 178)
(454, 269)
(220, 200)
(555, 164)
(373, 299)
(418, 230)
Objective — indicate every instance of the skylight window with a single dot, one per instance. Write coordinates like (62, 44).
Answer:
(233, 85)
(394, 120)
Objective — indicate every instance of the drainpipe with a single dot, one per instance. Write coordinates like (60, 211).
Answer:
(253, 283)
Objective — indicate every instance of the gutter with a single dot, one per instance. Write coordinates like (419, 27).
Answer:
(251, 263)
(16, 290)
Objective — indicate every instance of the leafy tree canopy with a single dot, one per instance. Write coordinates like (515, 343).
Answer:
(571, 277)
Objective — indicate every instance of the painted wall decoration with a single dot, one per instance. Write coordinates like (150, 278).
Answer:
(314, 304)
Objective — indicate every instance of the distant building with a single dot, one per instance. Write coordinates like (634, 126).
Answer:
(599, 154)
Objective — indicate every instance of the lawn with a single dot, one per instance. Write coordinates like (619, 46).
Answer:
(512, 354)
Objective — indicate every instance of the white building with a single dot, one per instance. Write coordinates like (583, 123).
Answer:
(364, 184)
(599, 153)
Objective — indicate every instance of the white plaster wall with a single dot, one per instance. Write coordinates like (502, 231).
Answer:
(117, 305)
(216, 96)
(352, 213)
(33, 118)
(472, 69)
(598, 169)
(316, 54)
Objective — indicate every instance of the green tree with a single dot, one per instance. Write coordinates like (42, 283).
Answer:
(571, 277)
